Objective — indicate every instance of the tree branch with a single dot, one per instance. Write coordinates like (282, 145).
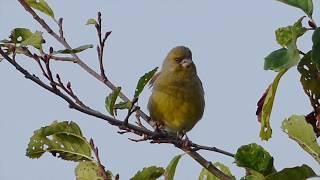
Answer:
(78, 60)
(149, 135)
(155, 136)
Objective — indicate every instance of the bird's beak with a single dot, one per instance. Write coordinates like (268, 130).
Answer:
(186, 62)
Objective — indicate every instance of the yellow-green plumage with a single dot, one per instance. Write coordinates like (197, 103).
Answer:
(177, 99)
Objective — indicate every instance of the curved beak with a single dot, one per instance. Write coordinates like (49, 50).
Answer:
(186, 62)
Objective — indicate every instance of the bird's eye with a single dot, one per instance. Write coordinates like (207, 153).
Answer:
(178, 59)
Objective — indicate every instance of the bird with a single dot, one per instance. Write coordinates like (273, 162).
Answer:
(177, 100)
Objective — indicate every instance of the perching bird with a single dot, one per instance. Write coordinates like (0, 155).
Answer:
(177, 99)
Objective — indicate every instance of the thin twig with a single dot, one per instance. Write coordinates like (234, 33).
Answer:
(100, 47)
(83, 65)
(130, 127)
(101, 166)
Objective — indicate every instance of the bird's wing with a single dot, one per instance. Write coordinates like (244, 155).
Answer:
(153, 79)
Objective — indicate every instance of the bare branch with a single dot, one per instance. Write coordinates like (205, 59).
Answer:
(80, 62)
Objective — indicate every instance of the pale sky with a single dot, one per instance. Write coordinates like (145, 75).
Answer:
(229, 40)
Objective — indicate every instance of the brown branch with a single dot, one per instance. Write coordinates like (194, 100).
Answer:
(79, 61)
(129, 127)
(100, 47)
(101, 166)
(156, 136)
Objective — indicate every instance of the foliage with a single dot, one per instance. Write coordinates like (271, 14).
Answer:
(66, 141)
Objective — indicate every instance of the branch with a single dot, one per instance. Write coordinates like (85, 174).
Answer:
(78, 60)
(155, 136)
(149, 135)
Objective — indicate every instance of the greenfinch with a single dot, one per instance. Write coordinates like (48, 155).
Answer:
(177, 100)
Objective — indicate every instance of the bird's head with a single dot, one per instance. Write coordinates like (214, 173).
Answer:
(179, 59)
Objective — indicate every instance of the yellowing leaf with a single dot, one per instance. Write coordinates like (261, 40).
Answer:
(88, 170)
(61, 139)
(300, 131)
(286, 35)
(266, 131)
(91, 22)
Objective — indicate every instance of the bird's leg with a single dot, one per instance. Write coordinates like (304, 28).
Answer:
(183, 136)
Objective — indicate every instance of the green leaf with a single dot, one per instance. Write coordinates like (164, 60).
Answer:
(287, 35)
(5, 41)
(206, 175)
(282, 58)
(297, 173)
(253, 175)
(123, 105)
(309, 78)
(285, 57)
(25, 37)
(111, 100)
(42, 6)
(266, 131)
(88, 170)
(171, 168)
(143, 81)
(20, 34)
(304, 5)
(34, 40)
(150, 173)
(302, 132)
(61, 139)
(253, 156)
(91, 22)
(75, 50)
(315, 54)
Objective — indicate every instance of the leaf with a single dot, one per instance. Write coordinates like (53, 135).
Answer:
(34, 40)
(20, 34)
(61, 139)
(304, 5)
(75, 50)
(298, 172)
(206, 175)
(88, 170)
(171, 168)
(266, 131)
(91, 22)
(282, 58)
(123, 105)
(253, 175)
(25, 37)
(300, 131)
(111, 100)
(315, 53)
(253, 156)
(286, 35)
(5, 41)
(285, 57)
(150, 173)
(42, 6)
(143, 81)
